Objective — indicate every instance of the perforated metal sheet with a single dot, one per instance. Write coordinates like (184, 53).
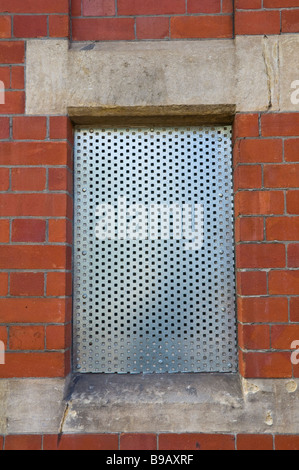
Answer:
(158, 301)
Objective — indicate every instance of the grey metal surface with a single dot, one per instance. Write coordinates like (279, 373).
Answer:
(156, 303)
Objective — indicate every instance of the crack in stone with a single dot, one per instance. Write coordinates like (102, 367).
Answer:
(271, 57)
(63, 419)
(268, 70)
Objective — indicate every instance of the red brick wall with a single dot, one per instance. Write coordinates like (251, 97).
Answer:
(266, 165)
(150, 442)
(34, 18)
(181, 19)
(35, 205)
(36, 188)
(151, 19)
(266, 16)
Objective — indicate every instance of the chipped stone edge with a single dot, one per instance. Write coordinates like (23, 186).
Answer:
(165, 404)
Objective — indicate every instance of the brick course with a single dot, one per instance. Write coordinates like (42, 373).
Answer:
(140, 20)
(150, 442)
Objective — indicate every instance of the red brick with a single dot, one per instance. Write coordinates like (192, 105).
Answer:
(281, 3)
(138, 441)
(30, 26)
(34, 257)
(3, 284)
(4, 128)
(14, 102)
(60, 231)
(266, 365)
(34, 6)
(12, 52)
(23, 442)
(252, 283)
(152, 27)
(58, 336)
(60, 179)
(236, 152)
(201, 27)
(290, 21)
(254, 256)
(150, 7)
(32, 310)
(98, 7)
(27, 284)
(286, 442)
(257, 22)
(282, 228)
(254, 336)
(294, 309)
(263, 310)
(248, 4)
(260, 151)
(4, 231)
(59, 26)
(59, 284)
(204, 6)
(81, 442)
(103, 29)
(246, 125)
(26, 338)
(259, 203)
(61, 128)
(291, 150)
(1, 442)
(282, 336)
(28, 179)
(196, 442)
(283, 124)
(29, 128)
(281, 176)
(284, 282)
(254, 442)
(227, 6)
(5, 27)
(18, 78)
(293, 202)
(293, 255)
(249, 229)
(33, 153)
(4, 179)
(28, 230)
(35, 205)
(248, 177)
(35, 364)
(76, 7)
